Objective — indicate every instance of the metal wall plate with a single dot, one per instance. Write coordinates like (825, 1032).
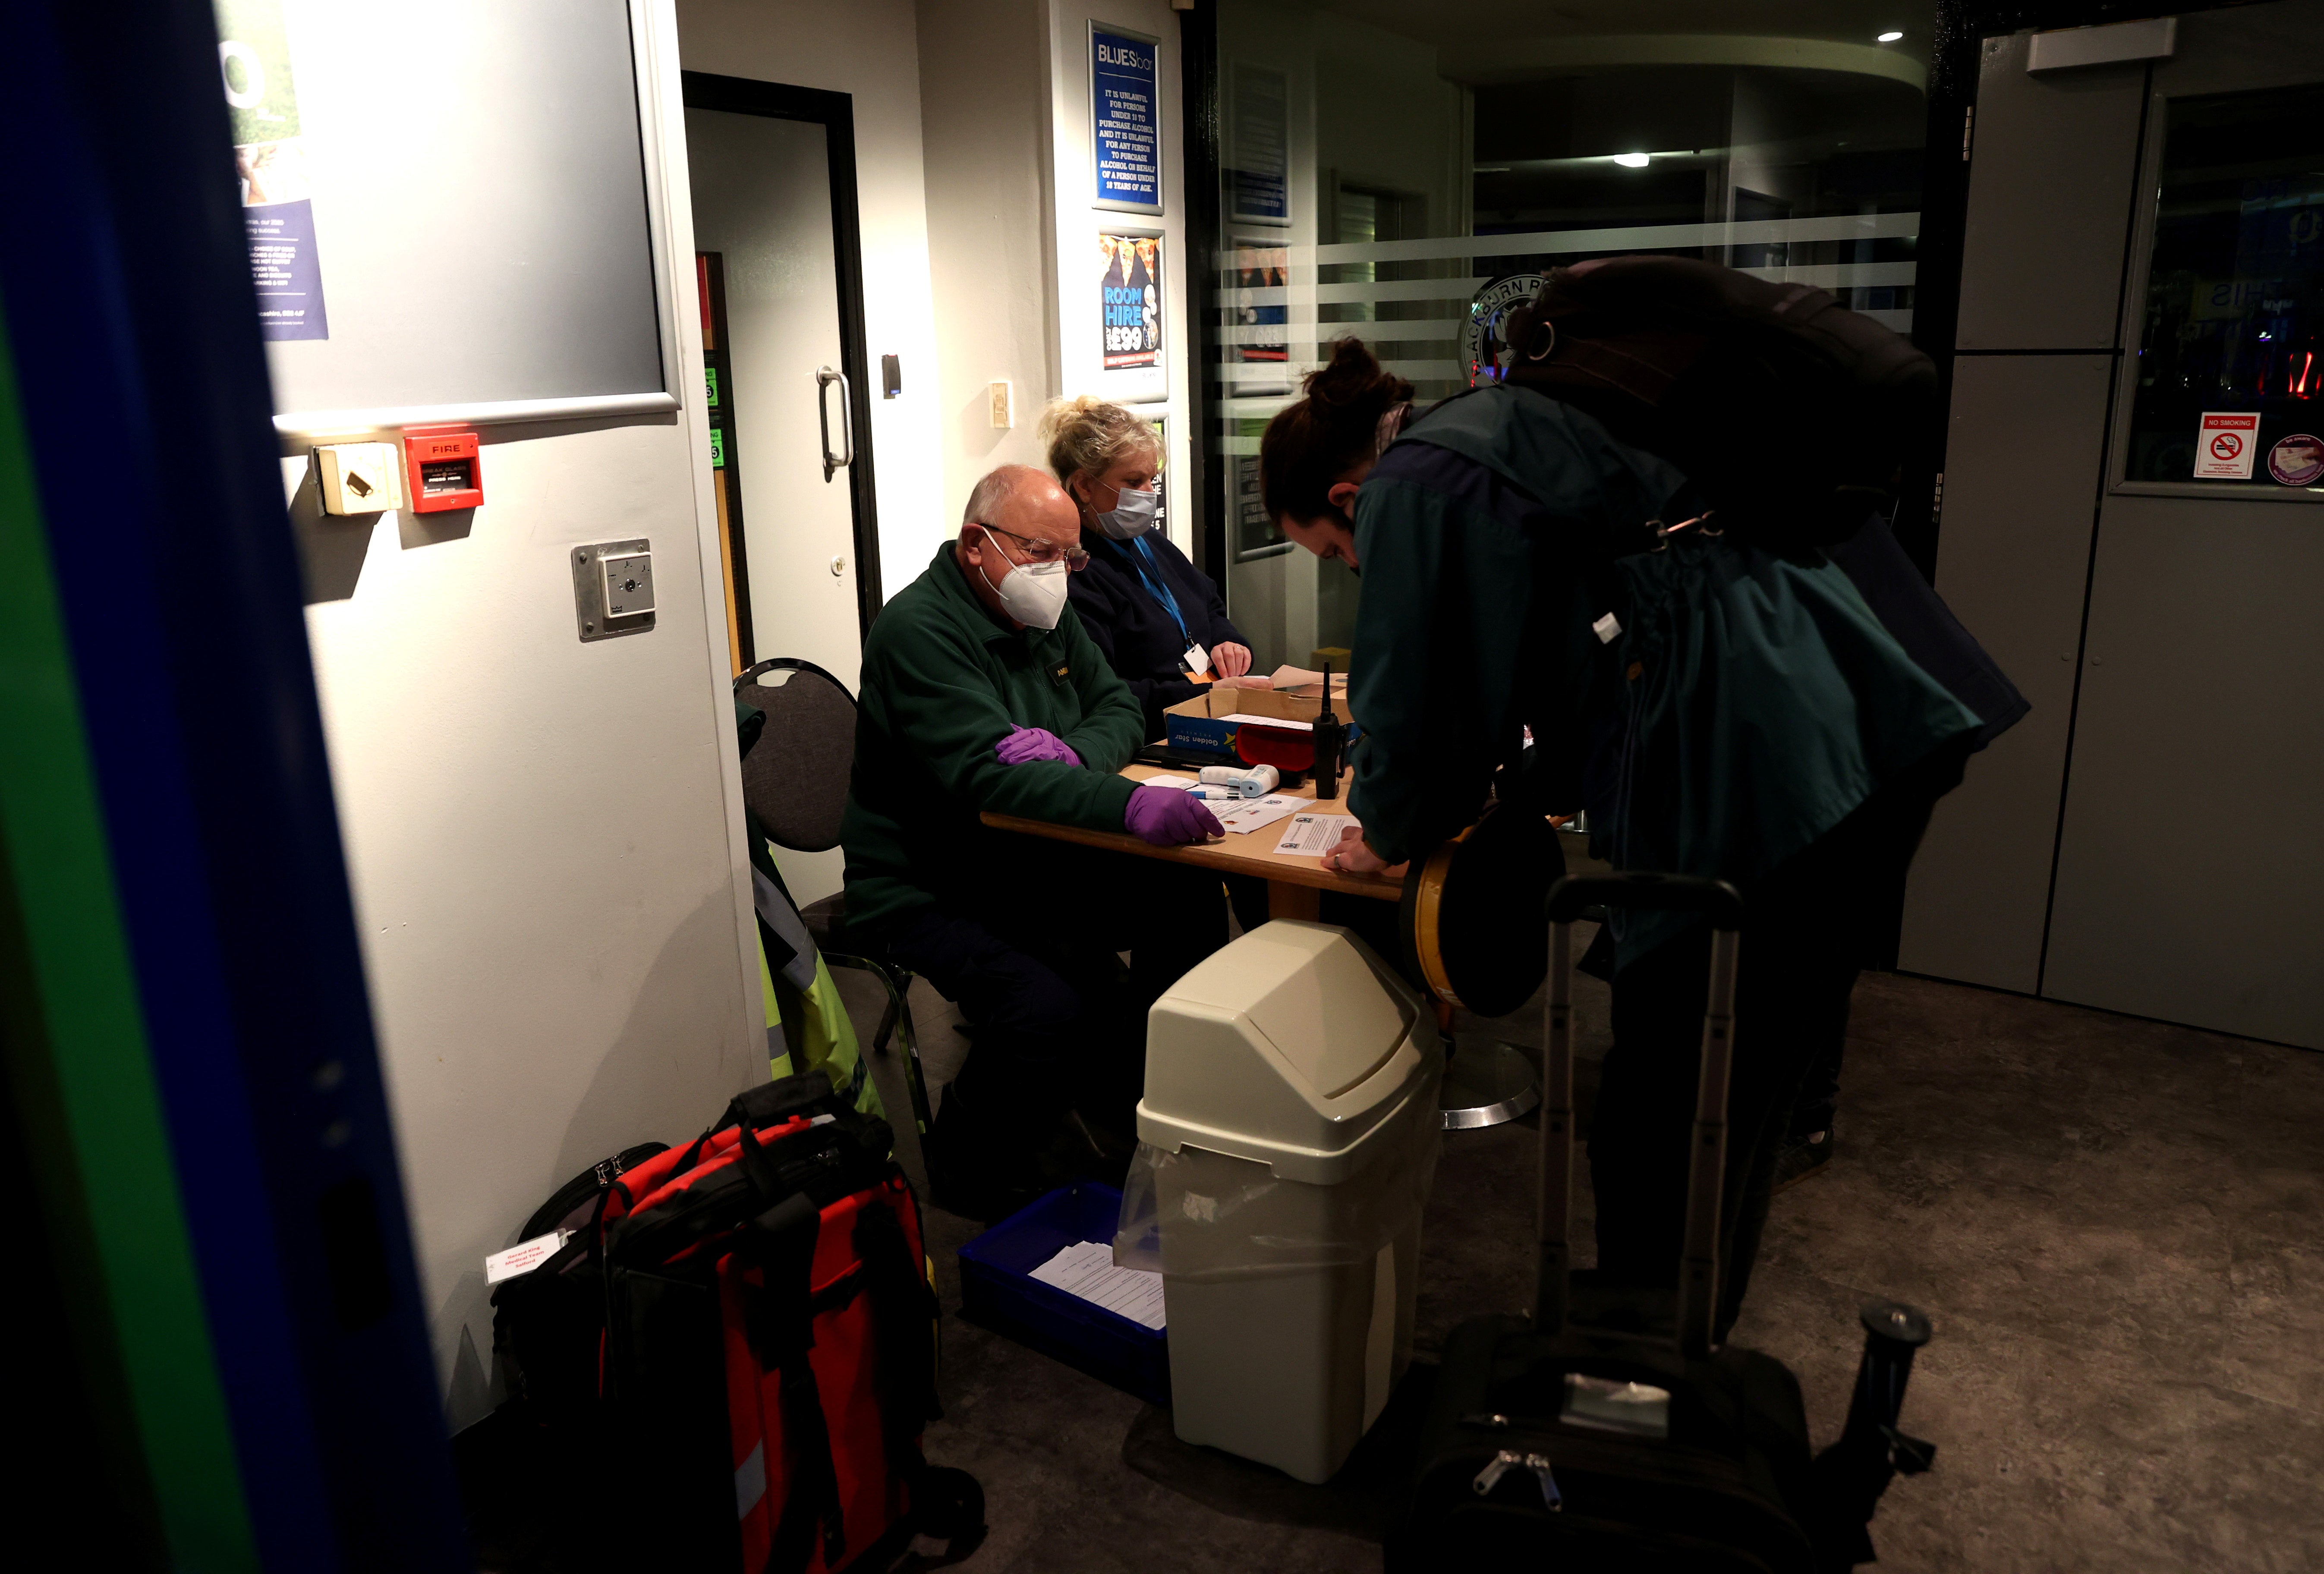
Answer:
(589, 617)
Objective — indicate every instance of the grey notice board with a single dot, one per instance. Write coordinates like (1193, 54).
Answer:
(482, 217)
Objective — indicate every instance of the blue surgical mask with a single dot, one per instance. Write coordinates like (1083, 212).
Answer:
(1132, 515)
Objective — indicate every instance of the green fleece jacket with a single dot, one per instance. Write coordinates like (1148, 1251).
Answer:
(944, 680)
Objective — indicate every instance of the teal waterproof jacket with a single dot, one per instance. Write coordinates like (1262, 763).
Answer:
(944, 680)
(1716, 709)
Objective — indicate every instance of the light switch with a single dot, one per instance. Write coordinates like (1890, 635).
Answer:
(1003, 415)
(359, 478)
(629, 584)
(612, 589)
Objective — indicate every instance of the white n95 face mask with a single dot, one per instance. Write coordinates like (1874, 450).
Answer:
(1132, 516)
(1034, 594)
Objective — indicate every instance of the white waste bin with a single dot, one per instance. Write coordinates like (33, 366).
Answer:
(1289, 1136)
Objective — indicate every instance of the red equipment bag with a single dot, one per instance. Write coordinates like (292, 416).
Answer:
(767, 1362)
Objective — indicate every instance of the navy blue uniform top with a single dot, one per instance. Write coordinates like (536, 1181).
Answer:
(1126, 618)
(1926, 628)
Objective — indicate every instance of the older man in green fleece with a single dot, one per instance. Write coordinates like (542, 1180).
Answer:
(982, 692)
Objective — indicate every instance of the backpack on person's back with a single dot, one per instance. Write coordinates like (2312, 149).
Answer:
(1791, 414)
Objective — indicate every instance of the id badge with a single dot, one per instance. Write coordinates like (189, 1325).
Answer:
(1195, 662)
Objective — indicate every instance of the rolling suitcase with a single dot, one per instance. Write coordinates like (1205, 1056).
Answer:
(1606, 1431)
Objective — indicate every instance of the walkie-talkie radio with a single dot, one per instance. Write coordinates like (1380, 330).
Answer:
(1331, 737)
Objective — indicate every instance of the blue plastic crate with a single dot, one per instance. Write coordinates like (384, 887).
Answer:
(997, 1291)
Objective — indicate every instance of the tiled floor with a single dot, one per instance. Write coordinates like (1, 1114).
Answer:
(2115, 1225)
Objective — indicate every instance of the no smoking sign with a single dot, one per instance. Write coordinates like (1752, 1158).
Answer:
(2226, 446)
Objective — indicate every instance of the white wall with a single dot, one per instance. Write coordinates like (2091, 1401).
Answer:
(986, 128)
(869, 49)
(544, 836)
(1009, 189)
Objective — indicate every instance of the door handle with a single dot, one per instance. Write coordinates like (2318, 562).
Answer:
(823, 378)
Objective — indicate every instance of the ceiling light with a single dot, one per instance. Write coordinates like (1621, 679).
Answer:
(1631, 160)
(1890, 37)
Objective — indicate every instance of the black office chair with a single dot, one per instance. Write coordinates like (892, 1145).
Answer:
(794, 781)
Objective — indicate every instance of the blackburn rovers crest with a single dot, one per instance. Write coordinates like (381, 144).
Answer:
(1488, 348)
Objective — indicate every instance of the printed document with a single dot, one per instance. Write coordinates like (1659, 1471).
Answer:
(1086, 1269)
(1312, 835)
(1248, 814)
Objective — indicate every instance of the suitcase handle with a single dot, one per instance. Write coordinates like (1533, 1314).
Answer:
(1670, 893)
(1698, 1297)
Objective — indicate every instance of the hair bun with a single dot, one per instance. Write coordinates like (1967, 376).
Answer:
(1355, 381)
(1313, 444)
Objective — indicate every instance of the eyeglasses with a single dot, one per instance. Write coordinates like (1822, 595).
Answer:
(1076, 559)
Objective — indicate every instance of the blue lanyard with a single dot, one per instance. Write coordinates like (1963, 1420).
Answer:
(1160, 590)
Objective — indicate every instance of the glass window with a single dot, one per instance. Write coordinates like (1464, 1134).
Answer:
(2230, 367)
(1367, 188)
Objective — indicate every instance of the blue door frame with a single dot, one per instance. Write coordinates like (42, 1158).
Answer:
(141, 504)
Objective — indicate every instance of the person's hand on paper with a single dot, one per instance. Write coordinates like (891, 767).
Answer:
(1353, 855)
(1230, 661)
(1168, 817)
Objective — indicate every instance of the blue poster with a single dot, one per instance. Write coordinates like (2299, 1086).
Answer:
(269, 165)
(283, 266)
(1258, 182)
(1126, 125)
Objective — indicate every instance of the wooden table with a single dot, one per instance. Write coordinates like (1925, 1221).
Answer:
(1294, 884)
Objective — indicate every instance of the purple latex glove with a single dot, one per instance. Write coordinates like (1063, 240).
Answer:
(1024, 745)
(1168, 817)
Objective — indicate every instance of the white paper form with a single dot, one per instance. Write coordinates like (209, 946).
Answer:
(1312, 835)
(1086, 1269)
(1249, 814)
(1183, 783)
(1284, 722)
(1287, 677)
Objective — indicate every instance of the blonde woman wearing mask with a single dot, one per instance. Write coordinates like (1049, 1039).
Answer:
(1158, 619)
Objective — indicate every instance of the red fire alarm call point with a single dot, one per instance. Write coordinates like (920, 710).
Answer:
(442, 467)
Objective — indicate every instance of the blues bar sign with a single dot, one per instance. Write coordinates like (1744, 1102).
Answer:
(1125, 120)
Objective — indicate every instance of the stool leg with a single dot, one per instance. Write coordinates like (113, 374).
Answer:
(915, 1079)
(895, 1016)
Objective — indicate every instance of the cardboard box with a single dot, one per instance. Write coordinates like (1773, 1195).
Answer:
(1199, 725)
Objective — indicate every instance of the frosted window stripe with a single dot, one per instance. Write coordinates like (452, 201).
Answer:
(1825, 275)
(1869, 227)
(1256, 408)
(1417, 371)
(1307, 334)
(1403, 289)
(1430, 371)
(1339, 294)
(1260, 407)
(1841, 275)
(1392, 331)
